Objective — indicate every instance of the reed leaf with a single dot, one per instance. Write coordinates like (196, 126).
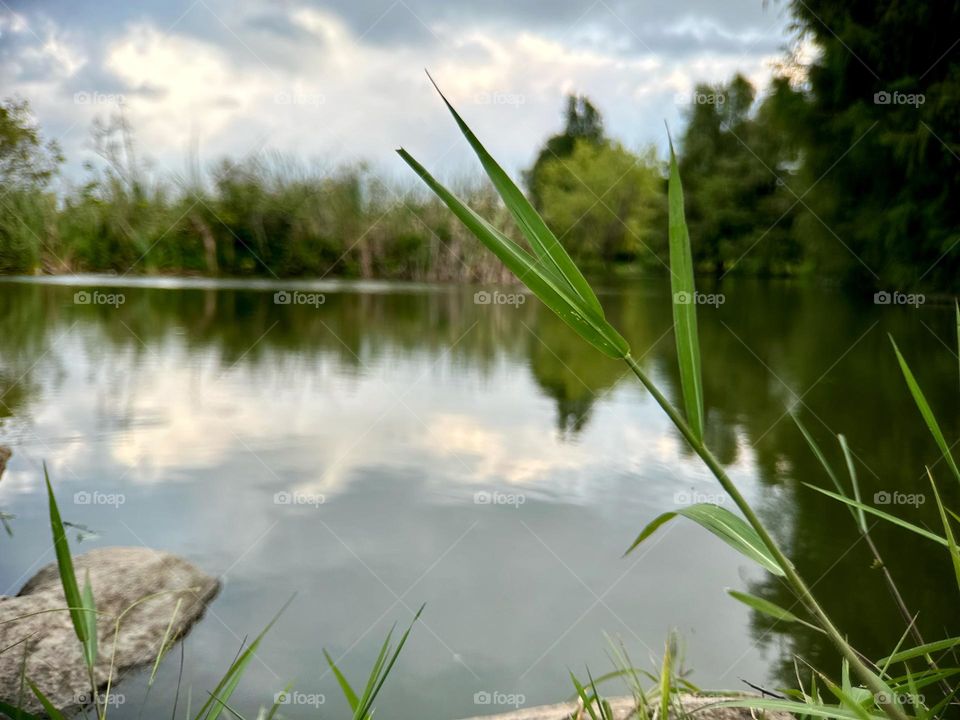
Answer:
(921, 650)
(544, 243)
(881, 514)
(684, 302)
(553, 290)
(725, 525)
(928, 417)
(68, 578)
(765, 606)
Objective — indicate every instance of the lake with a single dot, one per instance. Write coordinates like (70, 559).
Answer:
(372, 447)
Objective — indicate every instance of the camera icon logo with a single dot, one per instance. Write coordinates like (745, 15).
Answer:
(682, 298)
(282, 498)
(481, 498)
(82, 498)
(282, 297)
(881, 298)
(881, 498)
(881, 98)
(482, 698)
(482, 297)
(81, 297)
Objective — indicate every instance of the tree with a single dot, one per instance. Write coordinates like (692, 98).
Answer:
(604, 203)
(582, 122)
(27, 164)
(882, 150)
(26, 160)
(737, 166)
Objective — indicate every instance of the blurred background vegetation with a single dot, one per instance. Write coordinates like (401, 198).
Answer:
(819, 173)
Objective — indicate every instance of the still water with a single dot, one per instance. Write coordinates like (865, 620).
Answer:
(397, 444)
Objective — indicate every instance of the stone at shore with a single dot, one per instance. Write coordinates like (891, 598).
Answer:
(120, 577)
(624, 708)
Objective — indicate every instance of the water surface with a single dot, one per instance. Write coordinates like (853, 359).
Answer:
(400, 444)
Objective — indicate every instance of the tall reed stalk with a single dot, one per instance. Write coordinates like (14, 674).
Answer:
(551, 274)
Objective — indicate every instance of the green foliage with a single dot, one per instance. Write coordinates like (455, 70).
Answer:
(605, 202)
(582, 124)
(26, 160)
(881, 138)
(738, 166)
(362, 705)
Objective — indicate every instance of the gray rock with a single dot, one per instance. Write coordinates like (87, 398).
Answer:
(624, 708)
(120, 577)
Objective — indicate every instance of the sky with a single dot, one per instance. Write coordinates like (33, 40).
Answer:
(342, 81)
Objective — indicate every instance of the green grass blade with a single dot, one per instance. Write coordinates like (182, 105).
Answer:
(881, 514)
(852, 470)
(666, 675)
(348, 692)
(947, 530)
(850, 700)
(368, 706)
(164, 644)
(277, 701)
(684, 305)
(603, 705)
(767, 608)
(15, 713)
(544, 243)
(799, 709)
(228, 683)
(926, 412)
(552, 290)
(90, 621)
(359, 712)
(224, 706)
(650, 529)
(956, 306)
(818, 453)
(896, 648)
(921, 650)
(725, 525)
(52, 712)
(68, 578)
(584, 698)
